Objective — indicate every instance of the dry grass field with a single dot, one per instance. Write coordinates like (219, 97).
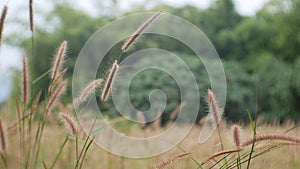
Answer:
(286, 156)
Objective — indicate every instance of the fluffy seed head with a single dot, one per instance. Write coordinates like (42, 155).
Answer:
(236, 135)
(59, 59)
(214, 107)
(69, 123)
(164, 163)
(25, 79)
(55, 96)
(139, 31)
(219, 154)
(272, 144)
(89, 89)
(107, 87)
(58, 78)
(268, 137)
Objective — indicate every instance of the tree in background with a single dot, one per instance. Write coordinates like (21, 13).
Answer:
(263, 47)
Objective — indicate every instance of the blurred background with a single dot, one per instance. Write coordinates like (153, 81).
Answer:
(258, 42)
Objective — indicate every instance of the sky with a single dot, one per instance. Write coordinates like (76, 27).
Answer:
(10, 57)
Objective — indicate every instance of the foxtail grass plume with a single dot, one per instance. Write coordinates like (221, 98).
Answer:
(25, 79)
(107, 87)
(2, 137)
(2, 20)
(69, 123)
(272, 144)
(57, 79)
(220, 153)
(236, 130)
(89, 89)
(139, 31)
(59, 59)
(55, 96)
(166, 162)
(31, 15)
(214, 107)
(268, 137)
(174, 114)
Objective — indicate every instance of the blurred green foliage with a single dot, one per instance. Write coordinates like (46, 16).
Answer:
(261, 51)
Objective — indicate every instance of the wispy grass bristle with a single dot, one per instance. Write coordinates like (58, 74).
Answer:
(58, 78)
(69, 123)
(55, 96)
(214, 107)
(108, 83)
(2, 20)
(2, 137)
(139, 31)
(25, 82)
(59, 59)
(236, 130)
(166, 162)
(220, 154)
(89, 89)
(272, 144)
(268, 137)
(31, 15)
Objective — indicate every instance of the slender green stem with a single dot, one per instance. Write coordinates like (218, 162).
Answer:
(3, 157)
(85, 152)
(254, 124)
(59, 152)
(40, 77)
(76, 148)
(38, 142)
(85, 143)
(29, 141)
(222, 145)
(20, 126)
(254, 138)
(216, 163)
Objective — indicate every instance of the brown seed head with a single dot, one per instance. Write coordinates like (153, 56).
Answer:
(55, 96)
(89, 89)
(164, 163)
(268, 137)
(25, 79)
(236, 135)
(139, 31)
(59, 59)
(214, 107)
(219, 154)
(107, 87)
(70, 123)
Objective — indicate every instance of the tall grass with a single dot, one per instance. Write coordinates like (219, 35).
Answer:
(32, 145)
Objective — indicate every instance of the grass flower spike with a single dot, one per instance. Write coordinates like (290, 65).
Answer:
(107, 87)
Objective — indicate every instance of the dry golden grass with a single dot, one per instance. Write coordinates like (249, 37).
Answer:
(283, 157)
